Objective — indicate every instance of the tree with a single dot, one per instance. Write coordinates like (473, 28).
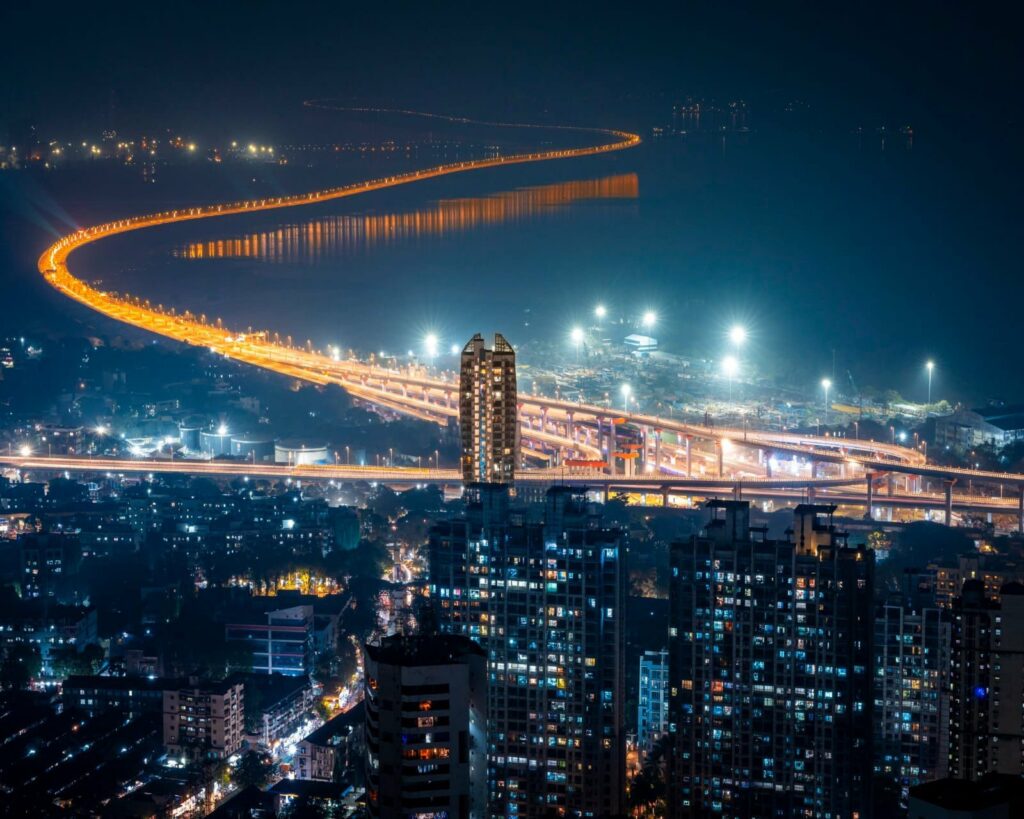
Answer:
(21, 664)
(303, 808)
(254, 769)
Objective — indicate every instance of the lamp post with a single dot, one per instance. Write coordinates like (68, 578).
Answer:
(730, 367)
(826, 385)
(627, 391)
(576, 334)
(930, 366)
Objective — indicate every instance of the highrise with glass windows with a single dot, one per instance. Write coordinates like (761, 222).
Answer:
(770, 669)
(544, 595)
(488, 412)
(912, 660)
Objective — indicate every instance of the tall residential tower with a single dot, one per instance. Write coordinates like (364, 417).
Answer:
(488, 413)
(545, 599)
(770, 670)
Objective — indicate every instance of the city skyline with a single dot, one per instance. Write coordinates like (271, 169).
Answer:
(457, 412)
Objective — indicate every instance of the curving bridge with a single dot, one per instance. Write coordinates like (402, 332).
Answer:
(661, 454)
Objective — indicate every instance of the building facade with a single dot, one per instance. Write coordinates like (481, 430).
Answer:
(488, 411)
(281, 644)
(770, 659)
(426, 727)
(545, 599)
(987, 683)
(652, 696)
(911, 687)
(204, 720)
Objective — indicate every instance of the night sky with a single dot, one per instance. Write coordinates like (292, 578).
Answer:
(951, 71)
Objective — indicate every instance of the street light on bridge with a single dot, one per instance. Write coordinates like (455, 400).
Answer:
(930, 366)
(627, 391)
(826, 385)
(649, 319)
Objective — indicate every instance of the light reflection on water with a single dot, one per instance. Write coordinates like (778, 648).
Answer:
(313, 241)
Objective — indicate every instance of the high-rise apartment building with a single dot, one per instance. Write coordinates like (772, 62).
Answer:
(770, 669)
(986, 733)
(544, 595)
(488, 412)
(652, 699)
(426, 727)
(911, 690)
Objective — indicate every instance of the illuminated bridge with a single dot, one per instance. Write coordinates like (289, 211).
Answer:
(641, 452)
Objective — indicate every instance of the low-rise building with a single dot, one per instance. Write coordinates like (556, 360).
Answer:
(130, 696)
(277, 705)
(994, 426)
(330, 747)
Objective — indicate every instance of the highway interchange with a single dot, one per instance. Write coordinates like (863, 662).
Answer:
(665, 456)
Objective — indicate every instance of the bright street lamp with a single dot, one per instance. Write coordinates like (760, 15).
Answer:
(649, 319)
(576, 334)
(826, 385)
(455, 349)
(600, 311)
(430, 345)
(737, 335)
(930, 366)
(627, 391)
(26, 450)
(222, 430)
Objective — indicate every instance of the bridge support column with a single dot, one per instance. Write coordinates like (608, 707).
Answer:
(612, 446)
(948, 484)
(1020, 511)
(812, 494)
(689, 457)
(657, 450)
(890, 482)
(664, 497)
(570, 428)
(737, 493)
(870, 496)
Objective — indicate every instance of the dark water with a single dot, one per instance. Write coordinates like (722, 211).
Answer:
(818, 243)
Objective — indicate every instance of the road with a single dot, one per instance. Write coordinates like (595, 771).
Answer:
(576, 430)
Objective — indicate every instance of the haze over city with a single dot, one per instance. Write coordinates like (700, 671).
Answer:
(454, 411)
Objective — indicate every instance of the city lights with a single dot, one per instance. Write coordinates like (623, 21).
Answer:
(737, 335)
(222, 430)
(430, 345)
(649, 319)
(600, 311)
(25, 450)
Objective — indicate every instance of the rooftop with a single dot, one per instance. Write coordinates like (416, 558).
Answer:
(434, 649)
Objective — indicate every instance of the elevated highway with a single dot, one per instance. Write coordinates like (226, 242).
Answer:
(574, 430)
